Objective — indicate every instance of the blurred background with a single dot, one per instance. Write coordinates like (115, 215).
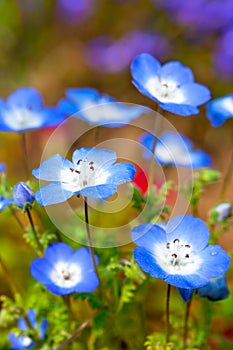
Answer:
(55, 44)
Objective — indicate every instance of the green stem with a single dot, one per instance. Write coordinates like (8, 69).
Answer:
(187, 314)
(34, 230)
(157, 130)
(89, 237)
(227, 179)
(168, 313)
(25, 153)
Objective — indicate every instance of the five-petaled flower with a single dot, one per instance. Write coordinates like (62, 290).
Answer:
(23, 341)
(172, 85)
(23, 111)
(220, 109)
(64, 271)
(98, 109)
(178, 252)
(175, 149)
(92, 173)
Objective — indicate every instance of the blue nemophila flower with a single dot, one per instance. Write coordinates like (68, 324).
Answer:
(178, 252)
(4, 202)
(23, 194)
(82, 102)
(216, 289)
(24, 110)
(172, 85)
(2, 167)
(92, 173)
(175, 149)
(220, 109)
(23, 341)
(221, 212)
(64, 271)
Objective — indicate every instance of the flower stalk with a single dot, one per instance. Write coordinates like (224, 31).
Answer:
(90, 244)
(168, 313)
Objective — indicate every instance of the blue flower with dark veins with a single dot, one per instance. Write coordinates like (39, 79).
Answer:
(92, 173)
(98, 109)
(175, 149)
(178, 252)
(172, 85)
(64, 271)
(24, 110)
(220, 109)
(23, 341)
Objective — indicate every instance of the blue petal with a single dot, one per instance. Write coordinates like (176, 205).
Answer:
(51, 117)
(215, 262)
(50, 169)
(144, 67)
(5, 202)
(187, 281)
(216, 289)
(148, 263)
(43, 328)
(182, 109)
(189, 229)
(32, 318)
(99, 191)
(27, 97)
(17, 343)
(220, 109)
(2, 167)
(200, 159)
(176, 72)
(148, 236)
(101, 157)
(185, 293)
(53, 288)
(195, 94)
(120, 173)
(66, 107)
(52, 193)
(40, 269)
(83, 257)
(80, 96)
(57, 252)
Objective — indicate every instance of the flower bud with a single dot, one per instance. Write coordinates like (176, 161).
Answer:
(23, 194)
(221, 211)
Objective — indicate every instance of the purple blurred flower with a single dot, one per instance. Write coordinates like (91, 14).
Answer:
(223, 55)
(23, 194)
(200, 15)
(2, 167)
(75, 10)
(105, 54)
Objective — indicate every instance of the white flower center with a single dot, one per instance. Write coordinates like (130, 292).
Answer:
(227, 103)
(165, 91)
(177, 153)
(66, 275)
(22, 118)
(26, 341)
(177, 257)
(84, 174)
(104, 112)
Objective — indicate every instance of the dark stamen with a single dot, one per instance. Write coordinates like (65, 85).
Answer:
(176, 240)
(174, 255)
(168, 245)
(187, 246)
(187, 255)
(79, 161)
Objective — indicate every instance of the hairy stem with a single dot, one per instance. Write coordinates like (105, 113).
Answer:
(168, 313)
(34, 230)
(75, 334)
(89, 237)
(186, 319)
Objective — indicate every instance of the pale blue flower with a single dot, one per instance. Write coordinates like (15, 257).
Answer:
(220, 109)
